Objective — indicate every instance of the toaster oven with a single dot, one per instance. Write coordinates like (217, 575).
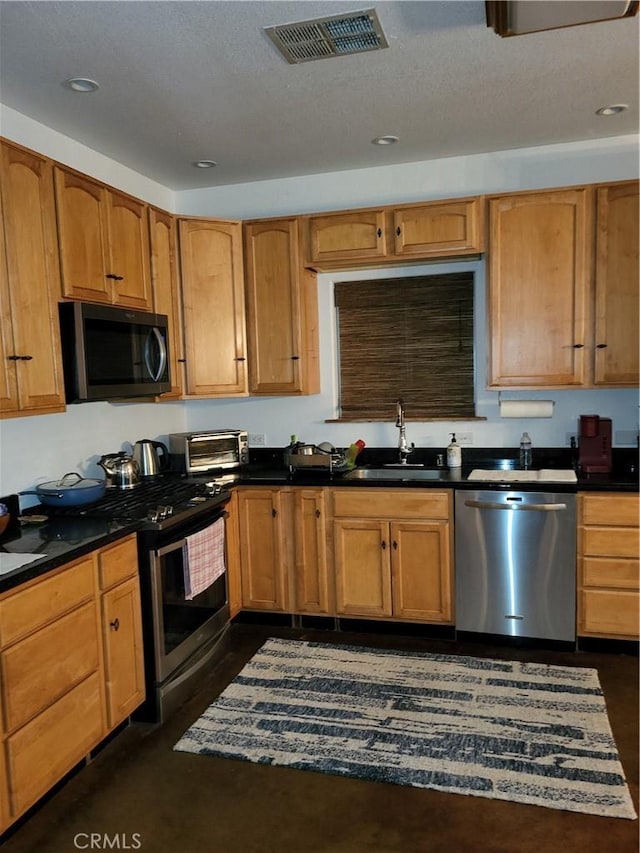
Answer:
(204, 451)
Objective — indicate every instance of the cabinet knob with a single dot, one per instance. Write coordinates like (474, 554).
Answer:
(13, 357)
(274, 513)
(295, 358)
(398, 231)
(578, 346)
(182, 361)
(114, 276)
(317, 513)
(115, 625)
(383, 545)
(395, 545)
(26, 358)
(601, 346)
(379, 232)
(241, 358)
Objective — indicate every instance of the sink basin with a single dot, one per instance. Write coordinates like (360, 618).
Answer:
(406, 472)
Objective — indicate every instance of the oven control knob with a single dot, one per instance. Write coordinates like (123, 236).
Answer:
(152, 515)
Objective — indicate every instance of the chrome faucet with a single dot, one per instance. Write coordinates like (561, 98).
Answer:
(403, 448)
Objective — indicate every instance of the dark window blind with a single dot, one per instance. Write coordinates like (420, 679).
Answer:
(409, 339)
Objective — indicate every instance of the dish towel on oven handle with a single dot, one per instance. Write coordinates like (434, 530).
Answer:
(205, 564)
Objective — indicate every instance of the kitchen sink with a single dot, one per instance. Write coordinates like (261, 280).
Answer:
(406, 472)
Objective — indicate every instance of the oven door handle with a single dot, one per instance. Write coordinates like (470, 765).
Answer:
(182, 542)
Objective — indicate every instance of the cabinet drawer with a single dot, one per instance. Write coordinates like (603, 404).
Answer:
(41, 752)
(609, 572)
(24, 611)
(390, 503)
(43, 667)
(610, 541)
(118, 563)
(607, 612)
(619, 510)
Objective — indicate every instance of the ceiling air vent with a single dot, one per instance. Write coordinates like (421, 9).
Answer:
(321, 38)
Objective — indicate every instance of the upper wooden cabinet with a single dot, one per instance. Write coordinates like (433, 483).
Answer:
(616, 285)
(213, 307)
(540, 262)
(166, 295)
(104, 243)
(31, 372)
(548, 326)
(385, 235)
(282, 310)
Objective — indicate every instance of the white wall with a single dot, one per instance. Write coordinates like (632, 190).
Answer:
(42, 448)
(502, 171)
(278, 418)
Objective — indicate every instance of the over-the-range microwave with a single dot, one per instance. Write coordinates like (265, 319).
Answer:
(111, 353)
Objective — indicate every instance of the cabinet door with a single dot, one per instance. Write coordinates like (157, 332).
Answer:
(540, 257)
(421, 570)
(166, 296)
(213, 305)
(129, 252)
(311, 573)
(262, 549)
(8, 380)
(40, 753)
(4, 791)
(232, 556)
(83, 237)
(347, 237)
(32, 367)
(123, 655)
(439, 230)
(617, 309)
(362, 567)
(282, 311)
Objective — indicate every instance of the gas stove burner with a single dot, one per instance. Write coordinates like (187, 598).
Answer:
(156, 503)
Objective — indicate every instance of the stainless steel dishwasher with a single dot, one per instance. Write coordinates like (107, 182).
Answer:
(516, 563)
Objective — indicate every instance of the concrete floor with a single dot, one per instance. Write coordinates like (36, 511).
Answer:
(143, 796)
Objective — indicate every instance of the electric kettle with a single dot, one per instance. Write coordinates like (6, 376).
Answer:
(123, 472)
(152, 457)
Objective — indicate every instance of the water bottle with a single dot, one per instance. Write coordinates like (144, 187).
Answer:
(525, 452)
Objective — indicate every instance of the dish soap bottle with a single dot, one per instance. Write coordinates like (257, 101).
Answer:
(525, 452)
(454, 453)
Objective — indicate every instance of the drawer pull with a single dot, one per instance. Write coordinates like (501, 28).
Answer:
(115, 625)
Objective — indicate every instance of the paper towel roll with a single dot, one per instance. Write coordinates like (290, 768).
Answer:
(526, 408)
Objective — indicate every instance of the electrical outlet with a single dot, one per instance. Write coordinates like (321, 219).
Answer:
(464, 437)
(257, 439)
(571, 435)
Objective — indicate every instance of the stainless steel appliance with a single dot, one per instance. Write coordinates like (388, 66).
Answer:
(181, 636)
(208, 450)
(152, 457)
(111, 353)
(594, 444)
(122, 470)
(516, 564)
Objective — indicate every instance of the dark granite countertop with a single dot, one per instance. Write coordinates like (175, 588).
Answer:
(56, 542)
(266, 468)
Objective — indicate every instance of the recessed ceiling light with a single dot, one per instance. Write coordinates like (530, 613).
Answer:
(81, 84)
(205, 164)
(612, 110)
(385, 140)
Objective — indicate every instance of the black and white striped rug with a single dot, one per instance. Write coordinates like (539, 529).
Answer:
(508, 730)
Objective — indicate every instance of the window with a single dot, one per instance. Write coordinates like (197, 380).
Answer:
(409, 339)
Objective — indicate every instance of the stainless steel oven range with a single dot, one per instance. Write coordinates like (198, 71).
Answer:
(181, 634)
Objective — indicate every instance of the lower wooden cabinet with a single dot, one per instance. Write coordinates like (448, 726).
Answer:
(264, 529)
(72, 669)
(282, 549)
(608, 565)
(392, 554)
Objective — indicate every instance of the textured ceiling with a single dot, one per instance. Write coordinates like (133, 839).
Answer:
(182, 81)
